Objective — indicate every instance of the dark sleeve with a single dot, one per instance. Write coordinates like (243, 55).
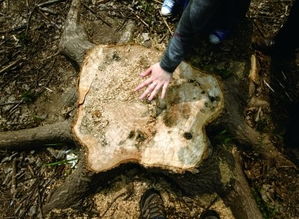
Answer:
(194, 19)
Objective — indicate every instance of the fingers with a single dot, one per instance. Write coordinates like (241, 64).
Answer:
(165, 85)
(149, 90)
(155, 91)
(147, 72)
(143, 84)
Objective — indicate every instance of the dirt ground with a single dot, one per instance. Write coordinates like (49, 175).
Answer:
(36, 88)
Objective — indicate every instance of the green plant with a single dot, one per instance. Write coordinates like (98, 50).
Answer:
(266, 210)
(29, 96)
(61, 162)
(223, 137)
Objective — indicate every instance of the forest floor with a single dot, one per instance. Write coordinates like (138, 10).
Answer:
(37, 84)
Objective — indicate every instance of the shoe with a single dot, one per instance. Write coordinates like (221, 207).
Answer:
(218, 36)
(167, 7)
(151, 205)
(209, 214)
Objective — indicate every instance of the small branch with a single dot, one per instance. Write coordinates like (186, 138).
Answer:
(47, 10)
(111, 203)
(53, 23)
(136, 15)
(268, 85)
(11, 110)
(93, 12)
(159, 2)
(167, 25)
(259, 29)
(6, 68)
(21, 27)
(10, 103)
(29, 19)
(47, 3)
(13, 179)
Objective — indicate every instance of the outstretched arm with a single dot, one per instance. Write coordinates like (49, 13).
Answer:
(195, 18)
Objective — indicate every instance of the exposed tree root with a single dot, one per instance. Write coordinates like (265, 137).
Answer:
(74, 41)
(36, 137)
(221, 173)
(240, 198)
(72, 191)
(242, 132)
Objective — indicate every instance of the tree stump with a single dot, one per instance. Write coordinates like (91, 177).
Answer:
(116, 127)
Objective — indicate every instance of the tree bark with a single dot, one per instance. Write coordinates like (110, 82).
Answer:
(73, 190)
(222, 174)
(240, 198)
(74, 42)
(36, 137)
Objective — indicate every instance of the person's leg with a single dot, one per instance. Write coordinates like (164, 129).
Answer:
(227, 18)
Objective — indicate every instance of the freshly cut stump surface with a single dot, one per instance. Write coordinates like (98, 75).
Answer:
(116, 127)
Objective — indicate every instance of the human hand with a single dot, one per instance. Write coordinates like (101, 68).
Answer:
(159, 79)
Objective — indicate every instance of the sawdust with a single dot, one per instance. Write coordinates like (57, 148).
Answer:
(122, 200)
(117, 127)
(114, 84)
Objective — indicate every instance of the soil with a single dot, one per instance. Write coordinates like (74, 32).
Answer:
(37, 87)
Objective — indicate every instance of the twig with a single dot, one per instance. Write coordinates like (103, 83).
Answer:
(48, 10)
(47, 3)
(51, 56)
(284, 76)
(13, 179)
(136, 15)
(121, 25)
(165, 22)
(212, 203)
(286, 93)
(34, 187)
(23, 26)
(161, 40)
(10, 66)
(9, 103)
(159, 2)
(268, 85)
(29, 19)
(92, 11)
(40, 201)
(53, 23)
(11, 110)
(259, 29)
(111, 203)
